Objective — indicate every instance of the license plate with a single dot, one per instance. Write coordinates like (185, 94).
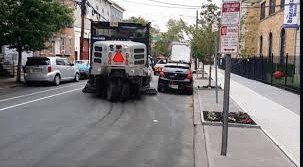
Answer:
(36, 70)
(174, 86)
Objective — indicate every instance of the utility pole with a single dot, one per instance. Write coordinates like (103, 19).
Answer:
(83, 13)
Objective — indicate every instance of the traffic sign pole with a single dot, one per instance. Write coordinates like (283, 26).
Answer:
(226, 105)
(229, 44)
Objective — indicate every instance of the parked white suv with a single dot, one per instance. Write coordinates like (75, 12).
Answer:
(50, 69)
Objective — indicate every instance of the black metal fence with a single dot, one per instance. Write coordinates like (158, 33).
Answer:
(283, 72)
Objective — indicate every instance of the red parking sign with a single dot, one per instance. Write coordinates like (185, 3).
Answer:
(230, 13)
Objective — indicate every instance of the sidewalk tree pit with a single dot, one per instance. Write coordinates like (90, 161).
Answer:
(233, 117)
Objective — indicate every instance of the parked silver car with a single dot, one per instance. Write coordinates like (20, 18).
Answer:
(50, 69)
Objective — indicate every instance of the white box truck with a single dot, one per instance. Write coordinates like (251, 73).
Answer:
(180, 52)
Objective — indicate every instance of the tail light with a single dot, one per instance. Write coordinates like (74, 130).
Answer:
(189, 74)
(162, 74)
(49, 69)
(126, 57)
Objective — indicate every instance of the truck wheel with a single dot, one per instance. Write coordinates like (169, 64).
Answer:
(125, 92)
(135, 91)
(100, 87)
(110, 91)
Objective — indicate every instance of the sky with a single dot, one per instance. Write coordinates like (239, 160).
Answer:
(158, 12)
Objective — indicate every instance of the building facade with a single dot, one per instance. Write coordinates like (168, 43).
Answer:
(265, 34)
(116, 12)
(67, 44)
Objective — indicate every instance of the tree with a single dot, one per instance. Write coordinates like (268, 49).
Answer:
(140, 20)
(26, 24)
(174, 33)
(202, 42)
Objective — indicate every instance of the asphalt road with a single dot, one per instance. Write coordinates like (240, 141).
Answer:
(62, 126)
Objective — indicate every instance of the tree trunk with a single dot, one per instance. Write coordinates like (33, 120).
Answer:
(19, 66)
(209, 78)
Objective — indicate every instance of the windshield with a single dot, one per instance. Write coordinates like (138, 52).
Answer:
(34, 61)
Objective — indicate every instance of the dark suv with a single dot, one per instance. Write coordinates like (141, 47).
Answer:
(176, 76)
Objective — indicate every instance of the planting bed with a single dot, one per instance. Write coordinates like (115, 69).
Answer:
(233, 117)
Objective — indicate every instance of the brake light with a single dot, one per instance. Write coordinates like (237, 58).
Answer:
(118, 57)
(49, 69)
(189, 74)
(126, 57)
(162, 74)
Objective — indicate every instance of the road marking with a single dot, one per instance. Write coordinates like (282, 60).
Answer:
(2, 109)
(35, 93)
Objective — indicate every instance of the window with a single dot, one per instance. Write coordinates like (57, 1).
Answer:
(51, 45)
(262, 16)
(270, 44)
(272, 6)
(282, 45)
(63, 44)
(261, 45)
(60, 62)
(282, 4)
(70, 45)
(66, 62)
(34, 61)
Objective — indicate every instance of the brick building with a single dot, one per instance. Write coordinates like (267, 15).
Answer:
(61, 44)
(265, 33)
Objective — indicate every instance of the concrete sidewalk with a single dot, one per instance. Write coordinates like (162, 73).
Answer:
(249, 147)
(9, 82)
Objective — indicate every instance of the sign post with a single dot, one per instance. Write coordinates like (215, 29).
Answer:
(229, 45)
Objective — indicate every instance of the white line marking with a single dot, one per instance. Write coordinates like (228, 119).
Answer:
(36, 93)
(2, 109)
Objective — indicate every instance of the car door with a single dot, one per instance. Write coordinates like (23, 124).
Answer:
(70, 70)
(61, 67)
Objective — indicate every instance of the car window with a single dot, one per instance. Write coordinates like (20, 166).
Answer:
(66, 62)
(34, 61)
(60, 62)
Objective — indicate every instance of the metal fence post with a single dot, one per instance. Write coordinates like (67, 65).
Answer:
(254, 59)
(286, 71)
(13, 68)
(272, 66)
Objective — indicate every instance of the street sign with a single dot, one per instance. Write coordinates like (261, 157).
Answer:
(230, 13)
(229, 39)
